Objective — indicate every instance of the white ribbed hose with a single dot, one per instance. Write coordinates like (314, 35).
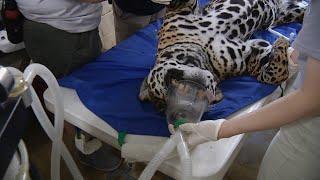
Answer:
(175, 140)
(55, 133)
(183, 151)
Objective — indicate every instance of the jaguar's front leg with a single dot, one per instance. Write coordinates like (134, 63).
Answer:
(269, 63)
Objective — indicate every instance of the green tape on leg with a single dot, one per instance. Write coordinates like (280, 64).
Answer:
(121, 137)
(179, 122)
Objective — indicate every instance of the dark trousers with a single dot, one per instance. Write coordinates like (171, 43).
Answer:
(60, 51)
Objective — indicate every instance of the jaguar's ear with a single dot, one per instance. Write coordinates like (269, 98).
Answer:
(144, 91)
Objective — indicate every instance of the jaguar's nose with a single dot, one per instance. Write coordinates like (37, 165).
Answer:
(173, 74)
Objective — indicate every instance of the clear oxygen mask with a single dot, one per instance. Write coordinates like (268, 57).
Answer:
(186, 102)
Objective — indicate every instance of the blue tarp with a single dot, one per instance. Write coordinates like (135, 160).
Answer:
(109, 86)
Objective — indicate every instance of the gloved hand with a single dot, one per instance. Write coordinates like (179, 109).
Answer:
(165, 2)
(202, 132)
(293, 64)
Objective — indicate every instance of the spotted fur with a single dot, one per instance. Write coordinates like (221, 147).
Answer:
(211, 44)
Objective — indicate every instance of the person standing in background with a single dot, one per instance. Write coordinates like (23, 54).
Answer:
(61, 34)
(132, 15)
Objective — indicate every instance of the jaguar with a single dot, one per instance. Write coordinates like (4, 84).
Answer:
(209, 44)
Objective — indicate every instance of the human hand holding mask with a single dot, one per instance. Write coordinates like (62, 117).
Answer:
(204, 131)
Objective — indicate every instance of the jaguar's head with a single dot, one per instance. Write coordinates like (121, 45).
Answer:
(169, 72)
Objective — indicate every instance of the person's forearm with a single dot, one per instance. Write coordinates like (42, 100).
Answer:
(293, 107)
(302, 103)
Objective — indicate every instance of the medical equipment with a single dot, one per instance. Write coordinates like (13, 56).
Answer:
(22, 87)
(187, 100)
(6, 83)
(19, 166)
(13, 122)
(186, 103)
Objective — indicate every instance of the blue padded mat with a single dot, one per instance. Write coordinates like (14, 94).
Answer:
(109, 86)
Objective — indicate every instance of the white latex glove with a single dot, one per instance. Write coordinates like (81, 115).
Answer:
(202, 132)
(293, 65)
(165, 2)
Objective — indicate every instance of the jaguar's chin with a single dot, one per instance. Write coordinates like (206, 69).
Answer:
(159, 104)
